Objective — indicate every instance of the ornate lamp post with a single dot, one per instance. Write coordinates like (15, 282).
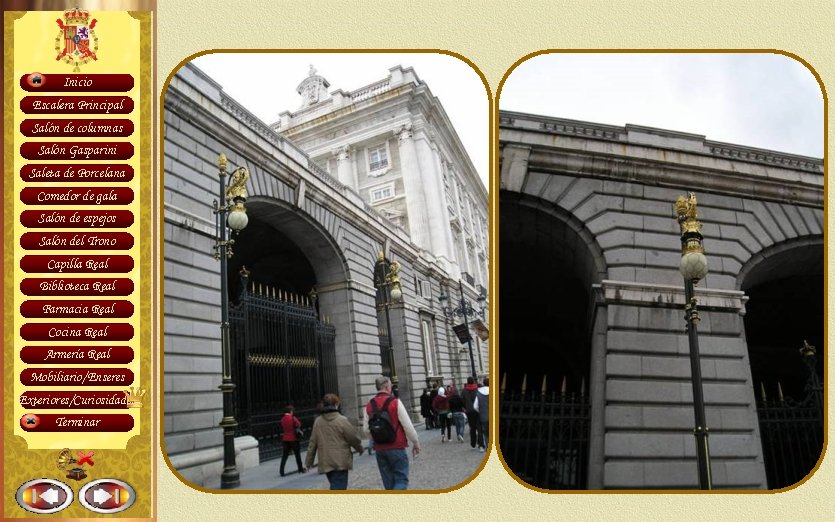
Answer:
(694, 267)
(465, 310)
(387, 283)
(230, 213)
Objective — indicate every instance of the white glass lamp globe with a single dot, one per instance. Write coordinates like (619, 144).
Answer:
(237, 219)
(693, 266)
(396, 294)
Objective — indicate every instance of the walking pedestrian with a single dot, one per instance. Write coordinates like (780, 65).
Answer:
(426, 409)
(290, 436)
(332, 438)
(457, 415)
(441, 407)
(436, 423)
(391, 423)
(482, 405)
(469, 396)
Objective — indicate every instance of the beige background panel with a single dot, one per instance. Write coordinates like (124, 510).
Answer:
(494, 35)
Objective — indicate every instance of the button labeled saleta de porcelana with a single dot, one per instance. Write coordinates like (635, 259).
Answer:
(76, 172)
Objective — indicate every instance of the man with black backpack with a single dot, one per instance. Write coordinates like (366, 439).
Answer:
(389, 425)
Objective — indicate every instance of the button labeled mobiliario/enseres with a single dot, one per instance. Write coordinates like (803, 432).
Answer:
(76, 377)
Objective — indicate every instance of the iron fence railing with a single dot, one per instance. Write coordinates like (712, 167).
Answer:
(283, 354)
(544, 437)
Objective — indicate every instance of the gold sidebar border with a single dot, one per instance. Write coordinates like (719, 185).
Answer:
(135, 464)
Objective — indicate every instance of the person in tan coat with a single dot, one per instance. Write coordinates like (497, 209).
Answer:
(332, 438)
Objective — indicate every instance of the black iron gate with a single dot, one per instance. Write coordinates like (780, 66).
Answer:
(282, 354)
(544, 437)
(791, 430)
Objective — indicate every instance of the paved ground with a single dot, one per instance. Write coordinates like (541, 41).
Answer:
(438, 466)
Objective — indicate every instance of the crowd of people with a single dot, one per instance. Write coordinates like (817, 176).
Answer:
(444, 407)
(390, 431)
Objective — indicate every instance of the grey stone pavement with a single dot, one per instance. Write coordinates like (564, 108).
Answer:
(438, 466)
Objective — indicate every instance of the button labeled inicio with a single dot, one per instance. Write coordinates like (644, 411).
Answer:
(106, 496)
(44, 496)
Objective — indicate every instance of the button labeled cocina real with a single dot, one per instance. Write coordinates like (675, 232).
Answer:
(107, 496)
(44, 496)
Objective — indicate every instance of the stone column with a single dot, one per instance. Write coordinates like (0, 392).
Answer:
(433, 187)
(343, 166)
(415, 201)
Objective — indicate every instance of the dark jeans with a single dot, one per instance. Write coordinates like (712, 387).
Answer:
(446, 425)
(338, 478)
(394, 468)
(485, 430)
(294, 445)
(476, 436)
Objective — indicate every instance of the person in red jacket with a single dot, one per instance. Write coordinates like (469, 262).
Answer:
(441, 406)
(392, 459)
(290, 439)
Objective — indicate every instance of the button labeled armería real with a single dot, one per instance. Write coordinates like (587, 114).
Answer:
(76, 354)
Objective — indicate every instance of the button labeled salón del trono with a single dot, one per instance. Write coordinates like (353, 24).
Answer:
(44, 496)
(106, 496)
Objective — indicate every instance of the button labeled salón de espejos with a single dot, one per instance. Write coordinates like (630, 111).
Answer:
(106, 496)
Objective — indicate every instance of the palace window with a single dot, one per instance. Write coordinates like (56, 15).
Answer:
(378, 160)
(428, 346)
(381, 193)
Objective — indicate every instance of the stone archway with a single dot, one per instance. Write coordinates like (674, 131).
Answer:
(785, 309)
(548, 266)
(288, 254)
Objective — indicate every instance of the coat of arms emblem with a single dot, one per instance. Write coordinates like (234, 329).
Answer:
(78, 36)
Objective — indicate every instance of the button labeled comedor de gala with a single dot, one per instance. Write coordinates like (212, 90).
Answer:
(76, 196)
(98, 422)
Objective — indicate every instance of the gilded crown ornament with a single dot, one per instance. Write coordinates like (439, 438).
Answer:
(133, 397)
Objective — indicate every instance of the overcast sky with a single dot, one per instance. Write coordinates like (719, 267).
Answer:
(453, 81)
(768, 101)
